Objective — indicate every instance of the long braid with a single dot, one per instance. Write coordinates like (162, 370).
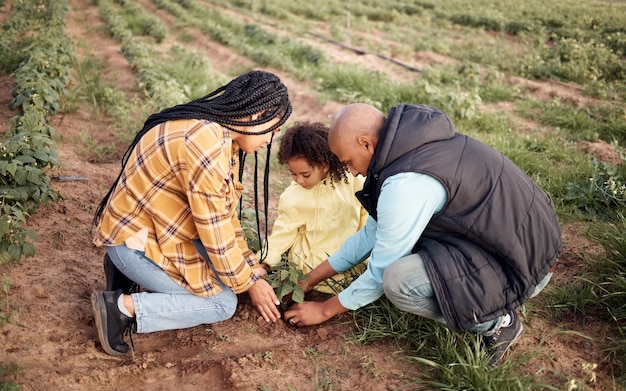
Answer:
(263, 244)
(251, 93)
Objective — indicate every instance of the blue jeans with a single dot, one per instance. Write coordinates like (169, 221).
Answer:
(408, 287)
(167, 305)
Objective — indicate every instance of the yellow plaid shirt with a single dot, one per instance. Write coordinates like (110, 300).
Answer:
(180, 182)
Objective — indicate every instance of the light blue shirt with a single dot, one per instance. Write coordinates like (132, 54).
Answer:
(406, 204)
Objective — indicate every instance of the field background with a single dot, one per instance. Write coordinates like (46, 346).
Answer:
(543, 83)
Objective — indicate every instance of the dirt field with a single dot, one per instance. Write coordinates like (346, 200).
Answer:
(52, 336)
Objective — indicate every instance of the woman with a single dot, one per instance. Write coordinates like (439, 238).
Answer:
(169, 222)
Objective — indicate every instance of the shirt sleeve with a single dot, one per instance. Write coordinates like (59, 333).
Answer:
(406, 204)
(355, 249)
(213, 199)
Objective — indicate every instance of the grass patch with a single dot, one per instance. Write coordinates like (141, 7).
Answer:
(8, 375)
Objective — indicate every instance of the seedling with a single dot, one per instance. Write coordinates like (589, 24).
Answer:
(285, 278)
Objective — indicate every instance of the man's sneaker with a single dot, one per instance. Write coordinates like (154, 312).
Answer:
(112, 324)
(498, 343)
(115, 279)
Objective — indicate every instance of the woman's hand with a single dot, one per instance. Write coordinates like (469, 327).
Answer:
(265, 300)
(259, 271)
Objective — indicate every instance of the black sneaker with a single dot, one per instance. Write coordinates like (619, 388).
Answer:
(112, 324)
(115, 279)
(498, 343)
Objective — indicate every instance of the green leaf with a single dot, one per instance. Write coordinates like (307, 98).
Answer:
(5, 257)
(25, 159)
(298, 294)
(20, 176)
(34, 176)
(4, 225)
(15, 251)
(32, 235)
(42, 156)
(17, 101)
(285, 290)
(10, 168)
(28, 249)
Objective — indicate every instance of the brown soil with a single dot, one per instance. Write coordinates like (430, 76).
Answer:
(52, 336)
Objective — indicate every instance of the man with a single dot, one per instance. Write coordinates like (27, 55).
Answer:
(456, 233)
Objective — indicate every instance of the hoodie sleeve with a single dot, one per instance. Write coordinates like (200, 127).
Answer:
(284, 230)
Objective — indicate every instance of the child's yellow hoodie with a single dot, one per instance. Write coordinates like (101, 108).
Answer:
(313, 223)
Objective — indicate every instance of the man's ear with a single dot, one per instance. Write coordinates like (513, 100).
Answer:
(366, 142)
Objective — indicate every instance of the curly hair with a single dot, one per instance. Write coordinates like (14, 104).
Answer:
(309, 141)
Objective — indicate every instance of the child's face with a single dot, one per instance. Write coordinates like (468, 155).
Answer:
(304, 174)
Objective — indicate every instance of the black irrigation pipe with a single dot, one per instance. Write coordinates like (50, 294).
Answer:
(363, 52)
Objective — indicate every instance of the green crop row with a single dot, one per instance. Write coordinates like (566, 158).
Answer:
(38, 55)
(571, 41)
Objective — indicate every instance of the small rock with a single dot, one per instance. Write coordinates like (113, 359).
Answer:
(323, 332)
(39, 292)
(261, 322)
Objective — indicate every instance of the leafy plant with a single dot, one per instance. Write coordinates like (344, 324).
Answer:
(604, 191)
(285, 278)
(40, 81)
(249, 227)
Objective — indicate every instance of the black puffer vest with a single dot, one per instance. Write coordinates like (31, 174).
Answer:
(498, 234)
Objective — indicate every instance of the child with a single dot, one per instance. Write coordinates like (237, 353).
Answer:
(318, 211)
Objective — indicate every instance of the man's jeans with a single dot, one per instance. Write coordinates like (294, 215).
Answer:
(167, 305)
(408, 287)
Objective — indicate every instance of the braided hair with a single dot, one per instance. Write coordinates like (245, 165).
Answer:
(309, 141)
(251, 93)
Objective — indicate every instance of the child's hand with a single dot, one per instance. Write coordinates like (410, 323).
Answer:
(306, 285)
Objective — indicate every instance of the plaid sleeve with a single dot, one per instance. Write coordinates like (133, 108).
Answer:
(213, 198)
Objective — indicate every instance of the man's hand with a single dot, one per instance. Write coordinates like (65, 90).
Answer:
(310, 313)
(265, 300)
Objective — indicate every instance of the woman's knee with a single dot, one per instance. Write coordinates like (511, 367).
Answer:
(229, 303)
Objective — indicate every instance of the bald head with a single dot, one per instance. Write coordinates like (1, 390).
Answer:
(355, 120)
(353, 135)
